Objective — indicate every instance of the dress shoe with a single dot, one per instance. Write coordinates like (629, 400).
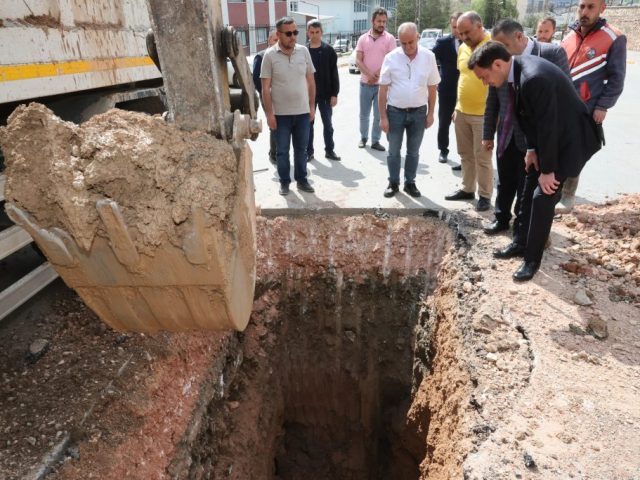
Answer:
(391, 190)
(284, 189)
(456, 168)
(362, 143)
(460, 195)
(496, 227)
(311, 158)
(332, 156)
(305, 187)
(526, 271)
(377, 146)
(411, 189)
(510, 251)
(483, 204)
(443, 157)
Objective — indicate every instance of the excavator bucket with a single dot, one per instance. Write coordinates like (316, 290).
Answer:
(152, 222)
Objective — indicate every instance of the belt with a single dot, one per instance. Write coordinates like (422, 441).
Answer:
(407, 110)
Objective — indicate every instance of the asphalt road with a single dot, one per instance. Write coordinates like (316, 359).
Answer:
(357, 182)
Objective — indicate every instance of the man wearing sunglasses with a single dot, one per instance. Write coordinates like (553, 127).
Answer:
(288, 94)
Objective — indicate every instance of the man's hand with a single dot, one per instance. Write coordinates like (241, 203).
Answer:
(598, 115)
(531, 158)
(548, 183)
(334, 101)
(429, 121)
(271, 121)
(384, 124)
(453, 116)
(487, 144)
(374, 78)
(312, 114)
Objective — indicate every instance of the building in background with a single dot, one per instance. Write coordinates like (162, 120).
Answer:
(340, 18)
(253, 19)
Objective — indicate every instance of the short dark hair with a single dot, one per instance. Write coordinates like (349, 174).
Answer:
(485, 55)
(315, 23)
(507, 26)
(548, 19)
(378, 11)
(455, 16)
(284, 21)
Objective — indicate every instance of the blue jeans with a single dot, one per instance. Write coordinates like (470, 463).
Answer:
(326, 111)
(399, 121)
(292, 129)
(369, 95)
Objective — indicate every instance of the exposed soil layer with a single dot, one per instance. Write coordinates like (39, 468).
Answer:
(535, 381)
(320, 384)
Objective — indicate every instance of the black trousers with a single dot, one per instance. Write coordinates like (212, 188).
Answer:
(536, 216)
(511, 176)
(446, 106)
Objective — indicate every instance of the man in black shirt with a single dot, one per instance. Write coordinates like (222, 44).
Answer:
(325, 62)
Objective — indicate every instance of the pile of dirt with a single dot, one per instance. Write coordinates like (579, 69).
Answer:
(606, 246)
(158, 174)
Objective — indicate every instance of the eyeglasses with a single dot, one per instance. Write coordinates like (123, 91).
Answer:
(294, 33)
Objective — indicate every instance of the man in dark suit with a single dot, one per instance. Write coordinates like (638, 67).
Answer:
(511, 146)
(446, 52)
(561, 137)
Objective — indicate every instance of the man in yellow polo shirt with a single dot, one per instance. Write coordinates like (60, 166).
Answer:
(469, 116)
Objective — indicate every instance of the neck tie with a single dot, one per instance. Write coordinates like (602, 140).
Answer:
(507, 122)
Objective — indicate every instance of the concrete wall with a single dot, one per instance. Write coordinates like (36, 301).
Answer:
(627, 19)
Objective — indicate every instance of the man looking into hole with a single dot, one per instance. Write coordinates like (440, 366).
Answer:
(561, 137)
(288, 93)
(325, 61)
(597, 54)
(370, 51)
(477, 169)
(408, 89)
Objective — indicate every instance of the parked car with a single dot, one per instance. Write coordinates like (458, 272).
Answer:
(353, 67)
(429, 36)
(341, 45)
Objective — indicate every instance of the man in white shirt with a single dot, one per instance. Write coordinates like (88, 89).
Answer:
(408, 89)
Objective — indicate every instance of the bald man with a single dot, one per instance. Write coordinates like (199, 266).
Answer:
(477, 170)
(407, 97)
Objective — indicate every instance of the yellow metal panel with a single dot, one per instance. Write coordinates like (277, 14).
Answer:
(11, 73)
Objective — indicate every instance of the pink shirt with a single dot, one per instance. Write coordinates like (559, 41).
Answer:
(373, 50)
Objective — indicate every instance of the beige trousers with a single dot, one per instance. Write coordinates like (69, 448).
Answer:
(475, 160)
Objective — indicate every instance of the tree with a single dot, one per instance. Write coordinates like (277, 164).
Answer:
(493, 10)
(425, 13)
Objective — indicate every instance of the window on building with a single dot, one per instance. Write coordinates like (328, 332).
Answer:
(388, 4)
(360, 5)
(237, 1)
(293, 6)
(243, 35)
(360, 25)
(262, 33)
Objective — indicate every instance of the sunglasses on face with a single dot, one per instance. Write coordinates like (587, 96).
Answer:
(294, 33)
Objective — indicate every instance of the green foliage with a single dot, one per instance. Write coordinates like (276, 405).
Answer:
(493, 10)
(425, 13)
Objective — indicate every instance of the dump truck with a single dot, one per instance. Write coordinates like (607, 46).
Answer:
(65, 187)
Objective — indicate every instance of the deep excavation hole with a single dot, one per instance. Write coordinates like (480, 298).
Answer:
(338, 343)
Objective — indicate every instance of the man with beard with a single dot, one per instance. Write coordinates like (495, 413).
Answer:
(370, 51)
(597, 53)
